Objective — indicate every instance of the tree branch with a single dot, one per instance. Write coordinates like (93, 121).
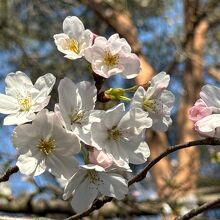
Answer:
(100, 202)
(5, 177)
(213, 72)
(200, 209)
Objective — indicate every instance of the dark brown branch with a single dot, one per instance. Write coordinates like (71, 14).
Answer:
(143, 173)
(100, 202)
(200, 209)
(96, 205)
(5, 177)
(99, 80)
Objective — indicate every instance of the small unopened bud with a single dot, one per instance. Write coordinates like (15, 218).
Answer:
(117, 94)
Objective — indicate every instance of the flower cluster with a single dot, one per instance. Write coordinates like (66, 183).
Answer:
(109, 140)
(206, 112)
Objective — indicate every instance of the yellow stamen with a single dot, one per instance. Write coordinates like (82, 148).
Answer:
(76, 117)
(93, 176)
(149, 105)
(110, 60)
(73, 45)
(25, 103)
(46, 145)
(114, 134)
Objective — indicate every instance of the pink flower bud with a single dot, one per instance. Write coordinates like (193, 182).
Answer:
(99, 157)
(199, 111)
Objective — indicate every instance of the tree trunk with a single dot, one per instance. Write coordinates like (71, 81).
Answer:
(192, 81)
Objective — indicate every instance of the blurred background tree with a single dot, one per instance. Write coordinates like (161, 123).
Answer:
(179, 37)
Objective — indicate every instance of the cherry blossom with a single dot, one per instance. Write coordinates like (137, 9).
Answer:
(45, 145)
(89, 182)
(156, 102)
(23, 99)
(75, 38)
(76, 107)
(116, 135)
(112, 56)
(206, 112)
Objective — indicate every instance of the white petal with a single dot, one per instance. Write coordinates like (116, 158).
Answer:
(96, 52)
(98, 135)
(73, 27)
(209, 125)
(86, 40)
(93, 167)
(61, 166)
(61, 41)
(160, 81)
(116, 43)
(74, 182)
(68, 98)
(113, 116)
(67, 144)
(40, 103)
(83, 134)
(30, 165)
(117, 148)
(17, 82)
(24, 140)
(167, 98)
(113, 185)
(211, 95)
(135, 120)
(19, 118)
(84, 196)
(8, 104)
(140, 154)
(72, 56)
(45, 84)
(131, 65)
(88, 93)
(66, 123)
(138, 98)
(44, 120)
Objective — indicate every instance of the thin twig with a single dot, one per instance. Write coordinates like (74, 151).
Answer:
(140, 176)
(5, 177)
(200, 209)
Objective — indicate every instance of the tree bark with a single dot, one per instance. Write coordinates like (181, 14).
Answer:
(192, 81)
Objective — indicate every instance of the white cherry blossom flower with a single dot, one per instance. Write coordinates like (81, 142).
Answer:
(155, 103)
(75, 38)
(89, 182)
(23, 99)
(208, 123)
(116, 134)
(75, 108)
(45, 145)
(113, 56)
